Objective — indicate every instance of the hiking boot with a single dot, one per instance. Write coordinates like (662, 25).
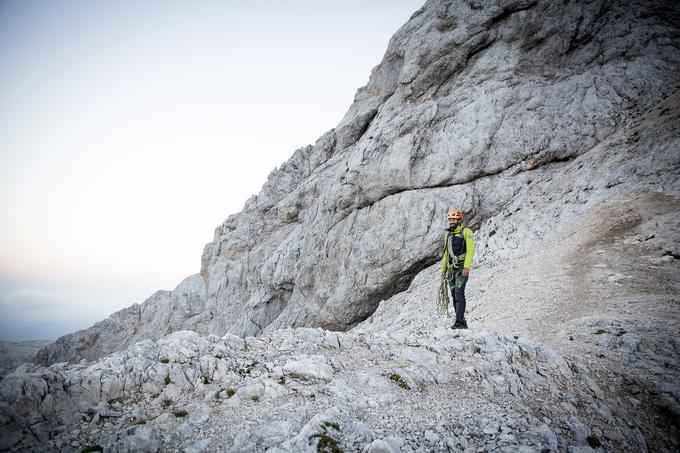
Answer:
(457, 325)
(463, 324)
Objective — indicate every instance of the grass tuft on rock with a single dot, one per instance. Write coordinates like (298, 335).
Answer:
(167, 380)
(180, 413)
(326, 443)
(92, 448)
(593, 441)
(164, 360)
(255, 398)
(600, 331)
(166, 403)
(394, 377)
(326, 425)
(139, 421)
(230, 392)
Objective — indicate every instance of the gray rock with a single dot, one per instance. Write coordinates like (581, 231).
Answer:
(431, 436)
(309, 368)
(14, 353)
(380, 446)
(491, 107)
(144, 439)
(199, 416)
(104, 410)
(197, 447)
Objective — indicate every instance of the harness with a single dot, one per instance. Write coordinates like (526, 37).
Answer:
(455, 242)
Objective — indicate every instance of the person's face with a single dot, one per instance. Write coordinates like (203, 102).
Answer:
(453, 222)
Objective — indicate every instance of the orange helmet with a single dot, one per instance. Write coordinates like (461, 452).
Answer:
(454, 214)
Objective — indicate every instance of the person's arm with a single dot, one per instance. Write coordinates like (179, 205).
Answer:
(469, 251)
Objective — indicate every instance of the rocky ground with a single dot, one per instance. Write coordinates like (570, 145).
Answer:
(564, 151)
(14, 353)
(571, 348)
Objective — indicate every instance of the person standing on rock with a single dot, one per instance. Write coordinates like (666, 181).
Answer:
(459, 250)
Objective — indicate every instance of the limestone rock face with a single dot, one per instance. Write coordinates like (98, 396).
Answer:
(521, 113)
(14, 353)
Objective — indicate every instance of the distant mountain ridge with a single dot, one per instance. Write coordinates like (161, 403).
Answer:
(14, 353)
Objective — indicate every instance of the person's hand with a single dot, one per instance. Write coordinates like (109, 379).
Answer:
(465, 272)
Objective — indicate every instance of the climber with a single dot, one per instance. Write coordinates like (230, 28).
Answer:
(459, 250)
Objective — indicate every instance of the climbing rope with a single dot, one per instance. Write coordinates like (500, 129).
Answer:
(443, 298)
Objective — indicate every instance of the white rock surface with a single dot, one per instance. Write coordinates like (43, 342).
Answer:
(416, 388)
(522, 113)
(554, 127)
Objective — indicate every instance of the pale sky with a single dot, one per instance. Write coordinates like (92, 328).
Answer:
(130, 130)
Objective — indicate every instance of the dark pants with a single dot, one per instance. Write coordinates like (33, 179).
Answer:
(457, 287)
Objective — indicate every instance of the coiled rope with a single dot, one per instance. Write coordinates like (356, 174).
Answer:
(443, 298)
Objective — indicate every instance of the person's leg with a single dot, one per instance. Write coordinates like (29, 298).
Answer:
(459, 291)
(452, 287)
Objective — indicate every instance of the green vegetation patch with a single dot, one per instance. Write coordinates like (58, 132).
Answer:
(397, 379)
(327, 444)
(245, 371)
(92, 448)
(180, 413)
(255, 398)
(593, 441)
(230, 392)
(139, 421)
(164, 360)
(167, 380)
(326, 425)
(600, 331)
(166, 403)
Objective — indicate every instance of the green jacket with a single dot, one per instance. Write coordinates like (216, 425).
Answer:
(469, 246)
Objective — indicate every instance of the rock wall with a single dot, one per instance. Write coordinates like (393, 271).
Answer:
(474, 105)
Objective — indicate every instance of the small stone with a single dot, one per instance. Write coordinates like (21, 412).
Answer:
(616, 278)
(431, 436)
(197, 447)
(199, 416)
(379, 446)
